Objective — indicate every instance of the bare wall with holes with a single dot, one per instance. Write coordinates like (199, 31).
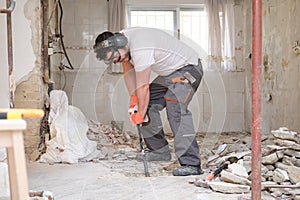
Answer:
(30, 89)
(281, 68)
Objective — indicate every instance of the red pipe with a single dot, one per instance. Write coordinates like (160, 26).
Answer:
(256, 98)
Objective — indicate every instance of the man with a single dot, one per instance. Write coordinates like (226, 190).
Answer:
(142, 50)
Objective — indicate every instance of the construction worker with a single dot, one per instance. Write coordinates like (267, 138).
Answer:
(142, 50)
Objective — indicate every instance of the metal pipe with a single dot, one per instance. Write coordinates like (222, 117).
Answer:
(45, 63)
(256, 98)
(10, 6)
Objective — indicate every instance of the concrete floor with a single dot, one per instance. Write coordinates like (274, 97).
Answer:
(121, 180)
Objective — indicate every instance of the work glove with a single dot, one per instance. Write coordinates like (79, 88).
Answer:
(133, 105)
(137, 118)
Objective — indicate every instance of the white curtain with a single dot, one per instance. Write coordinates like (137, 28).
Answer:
(117, 15)
(221, 45)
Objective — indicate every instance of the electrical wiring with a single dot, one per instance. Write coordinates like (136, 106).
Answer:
(61, 37)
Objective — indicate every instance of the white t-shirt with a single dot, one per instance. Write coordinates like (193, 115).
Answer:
(156, 48)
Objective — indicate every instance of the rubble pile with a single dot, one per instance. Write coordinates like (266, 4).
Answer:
(111, 139)
(280, 166)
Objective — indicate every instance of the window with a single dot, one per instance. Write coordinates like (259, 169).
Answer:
(214, 42)
(183, 23)
(193, 24)
(162, 19)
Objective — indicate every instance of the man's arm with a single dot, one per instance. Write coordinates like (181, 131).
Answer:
(129, 77)
(142, 90)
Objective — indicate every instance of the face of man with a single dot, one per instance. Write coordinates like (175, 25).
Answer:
(111, 55)
(121, 55)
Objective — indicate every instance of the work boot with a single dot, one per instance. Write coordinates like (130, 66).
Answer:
(187, 170)
(158, 155)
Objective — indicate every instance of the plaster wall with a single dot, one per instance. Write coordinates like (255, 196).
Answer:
(23, 50)
(281, 68)
(27, 76)
(4, 84)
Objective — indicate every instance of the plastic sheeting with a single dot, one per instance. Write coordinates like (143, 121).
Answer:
(68, 131)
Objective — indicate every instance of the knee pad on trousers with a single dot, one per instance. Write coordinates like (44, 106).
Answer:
(152, 113)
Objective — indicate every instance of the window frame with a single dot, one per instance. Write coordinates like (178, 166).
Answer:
(175, 8)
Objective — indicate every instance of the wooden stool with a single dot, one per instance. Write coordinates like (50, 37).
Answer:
(11, 137)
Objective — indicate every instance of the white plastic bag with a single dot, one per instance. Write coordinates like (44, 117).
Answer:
(68, 131)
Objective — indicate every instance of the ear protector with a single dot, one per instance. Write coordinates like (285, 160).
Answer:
(110, 45)
(116, 41)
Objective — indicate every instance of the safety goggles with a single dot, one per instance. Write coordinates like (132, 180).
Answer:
(106, 54)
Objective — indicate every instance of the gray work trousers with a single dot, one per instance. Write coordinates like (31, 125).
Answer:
(175, 97)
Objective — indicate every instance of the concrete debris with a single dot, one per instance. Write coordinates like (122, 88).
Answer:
(232, 178)
(238, 170)
(280, 175)
(280, 166)
(113, 142)
(221, 149)
(285, 134)
(107, 136)
(287, 143)
(212, 158)
(292, 153)
(40, 195)
(270, 159)
(288, 160)
(229, 188)
(285, 172)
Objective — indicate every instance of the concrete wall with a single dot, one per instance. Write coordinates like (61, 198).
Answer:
(23, 50)
(281, 68)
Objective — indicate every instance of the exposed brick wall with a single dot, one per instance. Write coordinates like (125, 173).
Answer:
(30, 93)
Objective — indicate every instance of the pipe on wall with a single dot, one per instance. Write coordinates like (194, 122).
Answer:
(10, 7)
(256, 98)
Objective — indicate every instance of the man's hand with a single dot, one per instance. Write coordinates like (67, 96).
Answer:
(133, 104)
(137, 118)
